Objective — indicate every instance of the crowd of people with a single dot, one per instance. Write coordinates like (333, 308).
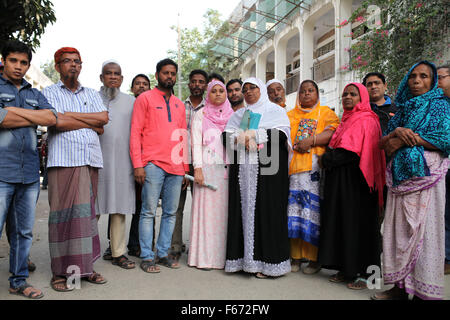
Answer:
(271, 189)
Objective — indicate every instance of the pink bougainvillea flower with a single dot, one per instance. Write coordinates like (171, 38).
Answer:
(419, 4)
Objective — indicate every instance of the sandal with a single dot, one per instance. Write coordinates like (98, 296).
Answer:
(168, 262)
(96, 278)
(392, 294)
(312, 267)
(338, 277)
(358, 284)
(123, 262)
(149, 266)
(56, 285)
(32, 294)
(295, 265)
(260, 275)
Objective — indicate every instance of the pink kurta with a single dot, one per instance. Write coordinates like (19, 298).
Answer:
(209, 213)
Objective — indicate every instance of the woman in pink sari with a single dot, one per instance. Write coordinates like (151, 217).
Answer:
(209, 214)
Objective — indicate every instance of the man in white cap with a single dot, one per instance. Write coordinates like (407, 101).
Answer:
(276, 92)
(116, 190)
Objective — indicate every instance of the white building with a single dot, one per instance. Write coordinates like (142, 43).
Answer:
(294, 40)
(37, 79)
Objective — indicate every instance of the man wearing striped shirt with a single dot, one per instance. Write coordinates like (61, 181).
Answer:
(73, 162)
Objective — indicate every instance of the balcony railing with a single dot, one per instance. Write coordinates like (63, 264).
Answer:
(323, 70)
(292, 83)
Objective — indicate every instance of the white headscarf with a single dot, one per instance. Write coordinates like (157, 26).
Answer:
(272, 115)
(274, 81)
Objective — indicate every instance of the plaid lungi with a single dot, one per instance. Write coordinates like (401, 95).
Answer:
(73, 230)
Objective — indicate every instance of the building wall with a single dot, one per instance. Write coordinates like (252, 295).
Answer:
(37, 79)
(304, 26)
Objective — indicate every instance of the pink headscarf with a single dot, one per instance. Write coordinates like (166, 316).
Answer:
(216, 116)
(360, 132)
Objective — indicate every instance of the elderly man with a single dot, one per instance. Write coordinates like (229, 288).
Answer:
(158, 146)
(21, 110)
(276, 92)
(444, 84)
(140, 84)
(235, 95)
(198, 81)
(116, 193)
(74, 158)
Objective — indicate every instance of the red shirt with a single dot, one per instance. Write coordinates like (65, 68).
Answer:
(158, 132)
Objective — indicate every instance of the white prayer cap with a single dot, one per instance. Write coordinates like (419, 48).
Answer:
(274, 81)
(108, 62)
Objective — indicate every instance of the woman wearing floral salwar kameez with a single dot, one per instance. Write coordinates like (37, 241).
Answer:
(418, 138)
(312, 126)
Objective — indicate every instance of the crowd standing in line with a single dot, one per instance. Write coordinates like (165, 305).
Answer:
(271, 189)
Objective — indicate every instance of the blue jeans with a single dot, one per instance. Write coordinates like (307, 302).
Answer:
(157, 182)
(447, 217)
(18, 200)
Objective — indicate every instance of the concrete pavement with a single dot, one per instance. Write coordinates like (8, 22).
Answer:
(185, 283)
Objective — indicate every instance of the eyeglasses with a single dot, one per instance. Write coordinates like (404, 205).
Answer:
(76, 61)
(443, 77)
(244, 90)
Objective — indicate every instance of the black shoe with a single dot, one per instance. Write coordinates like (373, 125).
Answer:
(108, 254)
(134, 252)
(31, 266)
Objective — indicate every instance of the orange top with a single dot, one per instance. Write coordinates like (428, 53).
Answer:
(306, 123)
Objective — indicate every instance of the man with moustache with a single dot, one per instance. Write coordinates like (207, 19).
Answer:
(235, 95)
(276, 92)
(74, 157)
(139, 84)
(116, 193)
(381, 103)
(198, 81)
(158, 146)
(22, 108)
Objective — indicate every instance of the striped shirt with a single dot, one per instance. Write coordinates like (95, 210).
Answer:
(80, 147)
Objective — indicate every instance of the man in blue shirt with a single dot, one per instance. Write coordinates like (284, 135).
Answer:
(22, 109)
(381, 104)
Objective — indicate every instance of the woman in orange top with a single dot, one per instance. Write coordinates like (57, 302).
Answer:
(312, 126)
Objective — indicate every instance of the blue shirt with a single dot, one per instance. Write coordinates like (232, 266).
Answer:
(19, 157)
(80, 147)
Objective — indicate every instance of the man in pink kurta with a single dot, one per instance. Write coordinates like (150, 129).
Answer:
(158, 148)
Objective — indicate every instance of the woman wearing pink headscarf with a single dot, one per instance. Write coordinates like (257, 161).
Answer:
(353, 192)
(209, 214)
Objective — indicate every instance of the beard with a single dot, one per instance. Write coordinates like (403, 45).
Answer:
(109, 93)
(236, 102)
(166, 85)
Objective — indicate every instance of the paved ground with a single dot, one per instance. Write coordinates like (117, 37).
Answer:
(185, 283)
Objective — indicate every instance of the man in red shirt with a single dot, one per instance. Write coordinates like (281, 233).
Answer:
(158, 148)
